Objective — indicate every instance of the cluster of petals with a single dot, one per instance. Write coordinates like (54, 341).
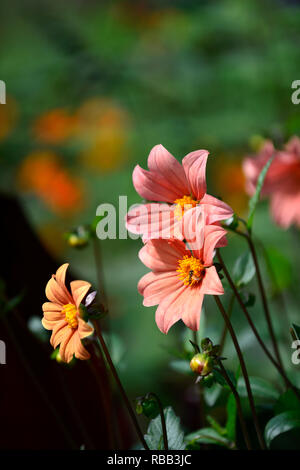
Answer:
(282, 181)
(62, 315)
(181, 230)
(172, 188)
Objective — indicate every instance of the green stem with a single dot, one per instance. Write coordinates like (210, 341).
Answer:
(264, 299)
(250, 321)
(238, 405)
(244, 371)
(225, 329)
(162, 417)
(119, 384)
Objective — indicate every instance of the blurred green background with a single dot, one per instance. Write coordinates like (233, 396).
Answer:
(93, 86)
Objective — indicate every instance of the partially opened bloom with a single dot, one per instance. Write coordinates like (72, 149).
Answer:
(62, 315)
(178, 188)
(282, 182)
(180, 278)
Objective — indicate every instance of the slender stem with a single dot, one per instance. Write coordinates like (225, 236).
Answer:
(264, 299)
(162, 417)
(244, 370)
(105, 397)
(225, 329)
(119, 383)
(260, 341)
(238, 405)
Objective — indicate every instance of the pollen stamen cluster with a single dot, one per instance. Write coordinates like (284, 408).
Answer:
(183, 204)
(190, 270)
(71, 315)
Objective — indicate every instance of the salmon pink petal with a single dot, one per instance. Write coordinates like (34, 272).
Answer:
(194, 165)
(193, 299)
(162, 162)
(59, 331)
(211, 283)
(285, 209)
(60, 275)
(79, 349)
(156, 286)
(215, 209)
(162, 255)
(51, 307)
(153, 187)
(53, 316)
(153, 221)
(84, 329)
(55, 293)
(170, 310)
(66, 349)
(212, 236)
(79, 290)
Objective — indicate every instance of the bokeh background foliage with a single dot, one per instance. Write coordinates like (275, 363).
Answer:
(92, 86)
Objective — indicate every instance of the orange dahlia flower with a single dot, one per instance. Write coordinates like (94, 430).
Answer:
(62, 315)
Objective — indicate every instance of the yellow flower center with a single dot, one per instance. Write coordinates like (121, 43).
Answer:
(190, 270)
(183, 204)
(71, 315)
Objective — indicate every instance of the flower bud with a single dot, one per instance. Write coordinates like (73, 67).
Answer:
(79, 237)
(201, 364)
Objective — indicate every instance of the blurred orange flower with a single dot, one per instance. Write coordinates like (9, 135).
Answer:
(54, 127)
(103, 126)
(229, 181)
(8, 117)
(43, 174)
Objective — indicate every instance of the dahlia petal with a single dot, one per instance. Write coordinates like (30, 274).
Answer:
(153, 221)
(51, 307)
(53, 316)
(79, 349)
(212, 235)
(79, 290)
(162, 255)
(60, 275)
(194, 165)
(169, 310)
(192, 308)
(156, 286)
(153, 187)
(66, 349)
(55, 293)
(161, 161)
(211, 283)
(215, 209)
(59, 331)
(84, 329)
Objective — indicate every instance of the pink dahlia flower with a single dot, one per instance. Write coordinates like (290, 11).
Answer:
(175, 188)
(282, 182)
(180, 278)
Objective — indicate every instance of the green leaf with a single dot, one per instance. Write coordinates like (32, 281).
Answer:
(212, 394)
(260, 388)
(287, 402)
(154, 436)
(220, 379)
(216, 426)
(279, 267)
(244, 269)
(231, 417)
(207, 436)
(255, 198)
(297, 330)
(282, 424)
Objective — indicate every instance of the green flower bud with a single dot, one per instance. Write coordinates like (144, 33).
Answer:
(150, 408)
(202, 364)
